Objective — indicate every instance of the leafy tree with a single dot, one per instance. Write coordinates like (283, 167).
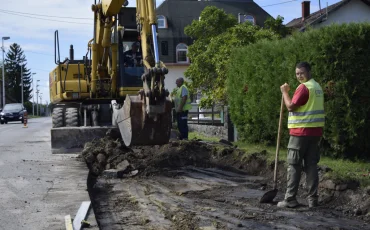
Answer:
(14, 61)
(216, 34)
(277, 26)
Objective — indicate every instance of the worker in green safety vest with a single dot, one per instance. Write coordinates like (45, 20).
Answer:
(182, 106)
(305, 122)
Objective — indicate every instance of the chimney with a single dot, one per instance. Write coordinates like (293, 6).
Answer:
(71, 53)
(305, 9)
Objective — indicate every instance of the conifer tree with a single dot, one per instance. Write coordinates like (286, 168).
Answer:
(15, 64)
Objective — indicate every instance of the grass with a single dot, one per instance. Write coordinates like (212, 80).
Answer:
(343, 170)
(30, 116)
(193, 135)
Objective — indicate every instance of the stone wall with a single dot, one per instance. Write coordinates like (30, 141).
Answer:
(210, 130)
(220, 131)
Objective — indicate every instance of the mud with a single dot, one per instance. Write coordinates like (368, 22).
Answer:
(202, 185)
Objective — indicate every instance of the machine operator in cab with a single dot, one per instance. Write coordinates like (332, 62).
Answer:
(133, 58)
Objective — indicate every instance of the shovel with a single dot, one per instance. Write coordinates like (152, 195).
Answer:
(269, 196)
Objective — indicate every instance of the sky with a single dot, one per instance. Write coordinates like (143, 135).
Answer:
(31, 24)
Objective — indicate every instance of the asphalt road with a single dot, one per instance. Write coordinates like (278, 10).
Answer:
(37, 188)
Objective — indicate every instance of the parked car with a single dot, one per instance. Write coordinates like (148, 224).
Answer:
(12, 112)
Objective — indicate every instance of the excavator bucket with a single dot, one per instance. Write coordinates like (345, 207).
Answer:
(138, 128)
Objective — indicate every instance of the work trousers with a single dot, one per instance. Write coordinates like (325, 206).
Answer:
(182, 124)
(303, 154)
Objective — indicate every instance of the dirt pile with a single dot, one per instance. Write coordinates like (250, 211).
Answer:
(108, 153)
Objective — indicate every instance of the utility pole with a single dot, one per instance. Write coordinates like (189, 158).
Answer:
(37, 99)
(22, 83)
(40, 102)
(33, 96)
(2, 47)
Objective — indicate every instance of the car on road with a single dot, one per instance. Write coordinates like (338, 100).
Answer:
(12, 112)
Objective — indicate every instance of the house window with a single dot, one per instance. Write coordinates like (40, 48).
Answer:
(246, 18)
(164, 48)
(181, 53)
(161, 22)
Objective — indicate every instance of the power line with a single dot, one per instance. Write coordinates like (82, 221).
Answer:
(8, 47)
(45, 19)
(44, 15)
(37, 53)
(42, 70)
(279, 3)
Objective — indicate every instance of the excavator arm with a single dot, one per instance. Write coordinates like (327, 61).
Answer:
(145, 118)
(104, 19)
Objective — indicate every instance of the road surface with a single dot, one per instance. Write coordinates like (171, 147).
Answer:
(37, 189)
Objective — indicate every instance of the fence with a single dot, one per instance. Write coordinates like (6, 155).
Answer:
(212, 116)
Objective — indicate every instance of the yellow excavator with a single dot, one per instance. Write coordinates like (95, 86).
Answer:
(111, 88)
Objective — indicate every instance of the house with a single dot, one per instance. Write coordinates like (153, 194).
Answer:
(174, 15)
(345, 11)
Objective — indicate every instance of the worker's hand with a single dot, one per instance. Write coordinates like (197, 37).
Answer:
(285, 88)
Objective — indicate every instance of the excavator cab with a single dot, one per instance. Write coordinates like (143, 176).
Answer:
(130, 66)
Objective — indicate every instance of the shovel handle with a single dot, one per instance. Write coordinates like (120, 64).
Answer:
(278, 140)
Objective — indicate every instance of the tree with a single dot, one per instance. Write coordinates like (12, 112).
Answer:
(216, 34)
(277, 26)
(15, 63)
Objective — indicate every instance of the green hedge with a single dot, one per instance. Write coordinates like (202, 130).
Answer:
(340, 59)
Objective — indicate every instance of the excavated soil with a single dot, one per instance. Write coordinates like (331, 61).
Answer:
(204, 185)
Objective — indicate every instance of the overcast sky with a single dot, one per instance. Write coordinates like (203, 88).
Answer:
(31, 24)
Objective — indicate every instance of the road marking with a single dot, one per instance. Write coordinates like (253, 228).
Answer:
(68, 221)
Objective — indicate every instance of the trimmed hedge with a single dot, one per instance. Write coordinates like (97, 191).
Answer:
(340, 60)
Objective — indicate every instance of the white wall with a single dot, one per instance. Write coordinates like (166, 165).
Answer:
(174, 72)
(354, 11)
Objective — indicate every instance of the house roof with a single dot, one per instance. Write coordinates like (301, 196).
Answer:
(181, 13)
(316, 16)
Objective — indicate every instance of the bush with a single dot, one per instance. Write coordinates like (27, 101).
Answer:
(28, 106)
(339, 55)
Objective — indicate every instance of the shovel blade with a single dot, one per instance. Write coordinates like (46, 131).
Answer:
(269, 196)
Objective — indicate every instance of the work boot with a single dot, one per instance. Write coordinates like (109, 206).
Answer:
(288, 204)
(313, 203)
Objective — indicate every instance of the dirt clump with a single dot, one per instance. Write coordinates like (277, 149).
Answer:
(105, 153)
(108, 153)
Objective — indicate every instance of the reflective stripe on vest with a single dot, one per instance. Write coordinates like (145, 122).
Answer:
(311, 114)
(187, 105)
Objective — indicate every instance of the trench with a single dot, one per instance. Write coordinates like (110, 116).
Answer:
(200, 198)
(186, 186)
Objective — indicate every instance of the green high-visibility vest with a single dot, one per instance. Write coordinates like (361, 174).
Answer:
(178, 99)
(310, 115)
